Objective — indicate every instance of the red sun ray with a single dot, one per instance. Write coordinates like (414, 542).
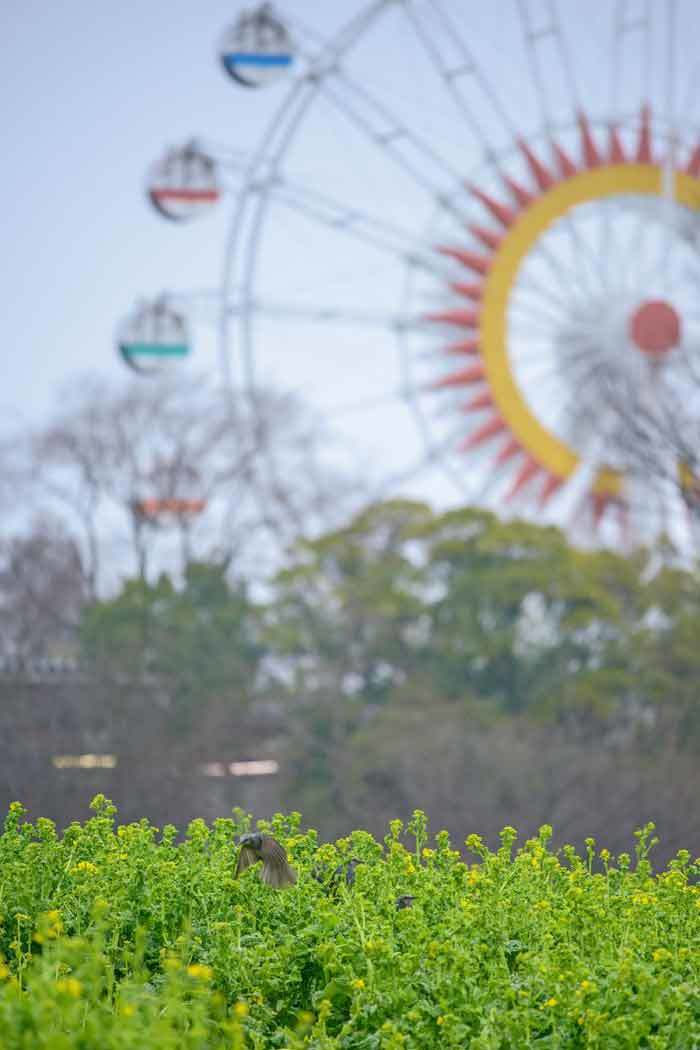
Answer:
(468, 346)
(487, 237)
(504, 214)
(550, 486)
(693, 166)
(511, 448)
(542, 176)
(469, 291)
(478, 263)
(600, 501)
(591, 156)
(485, 432)
(479, 402)
(644, 140)
(616, 153)
(461, 318)
(521, 195)
(464, 377)
(567, 168)
(526, 473)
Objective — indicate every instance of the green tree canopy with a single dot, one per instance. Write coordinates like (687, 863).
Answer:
(200, 639)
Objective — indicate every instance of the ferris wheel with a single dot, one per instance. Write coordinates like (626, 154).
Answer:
(469, 236)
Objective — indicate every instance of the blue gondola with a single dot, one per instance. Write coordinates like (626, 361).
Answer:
(257, 49)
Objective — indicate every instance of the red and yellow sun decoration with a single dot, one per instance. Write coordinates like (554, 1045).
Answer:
(603, 166)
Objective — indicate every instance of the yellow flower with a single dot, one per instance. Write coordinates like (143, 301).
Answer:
(70, 986)
(85, 865)
(661, 954)
(643, 898)
(4, 971)
(127, 1010)
(200, 972)
(441, 1019)
(241, 1010)
(551, 1002)
(358, 983)
(427, 853)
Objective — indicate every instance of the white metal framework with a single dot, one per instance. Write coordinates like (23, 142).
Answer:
(511, 198)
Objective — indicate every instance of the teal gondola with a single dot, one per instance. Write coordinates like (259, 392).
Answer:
(153, 338)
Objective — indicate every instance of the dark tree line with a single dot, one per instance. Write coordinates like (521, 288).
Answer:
(487, 672)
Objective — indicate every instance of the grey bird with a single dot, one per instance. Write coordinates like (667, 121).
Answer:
(276, 870)
(405, 901)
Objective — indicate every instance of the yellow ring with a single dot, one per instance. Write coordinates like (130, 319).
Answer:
(552, 453)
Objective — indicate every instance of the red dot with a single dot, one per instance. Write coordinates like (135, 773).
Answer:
(655, 327)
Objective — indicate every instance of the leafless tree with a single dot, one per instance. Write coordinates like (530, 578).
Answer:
(42, 589)
(117, 464)
(654, 435)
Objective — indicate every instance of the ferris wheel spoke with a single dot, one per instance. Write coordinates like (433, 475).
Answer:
(567, 279)
(690, 97)
(547, 314)
(631, 28)
(535, 379)
(387, 132)
(437, 35)
(279, 311)
(605, 245)
(667, 198)
(538, 33)
(588, 262)
(635, 283)
(529, 285)
(558, 323)
(356, 222)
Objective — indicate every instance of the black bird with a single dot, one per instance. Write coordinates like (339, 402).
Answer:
(276, 870)
(346, 869)
(404, 901)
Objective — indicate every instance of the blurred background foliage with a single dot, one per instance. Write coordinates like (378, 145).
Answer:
(398, 658)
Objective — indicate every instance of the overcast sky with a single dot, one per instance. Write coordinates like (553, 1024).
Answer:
(93, 94)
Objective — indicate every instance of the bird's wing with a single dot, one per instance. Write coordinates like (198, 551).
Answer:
(247, 856)
(276, 870)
